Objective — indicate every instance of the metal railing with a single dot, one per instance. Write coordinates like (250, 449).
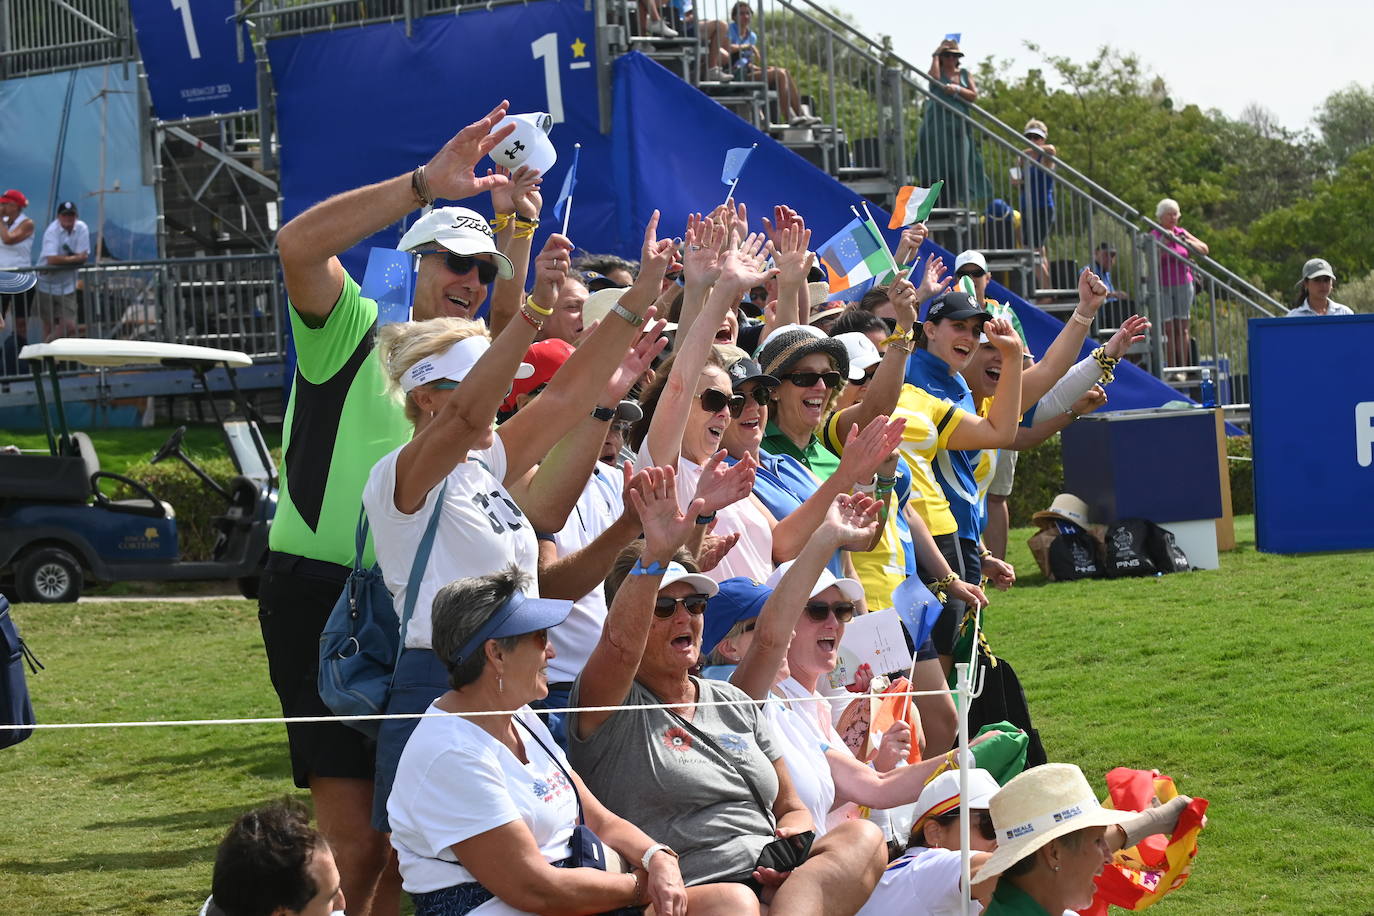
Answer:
(235, 302)
(290, 17)
(40, 36)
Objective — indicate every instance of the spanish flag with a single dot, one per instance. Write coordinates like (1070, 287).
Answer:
(914, 204)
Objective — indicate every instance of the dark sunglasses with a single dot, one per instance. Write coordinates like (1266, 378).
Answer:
(819, 610)
(713, 400)
(975, 272)
(868, 376)
(759, 394)
(462, 263)
(832, 379)
(984, 819)
(666, 607)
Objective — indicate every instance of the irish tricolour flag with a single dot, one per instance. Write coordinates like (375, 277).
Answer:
(914, 204)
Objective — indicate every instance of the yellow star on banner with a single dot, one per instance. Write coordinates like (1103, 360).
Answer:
(579, 48)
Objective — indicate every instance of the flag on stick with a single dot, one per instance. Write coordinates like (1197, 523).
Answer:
(565, 195)
(734, 164)
(914, 205)
(852, 256)
(389, 281)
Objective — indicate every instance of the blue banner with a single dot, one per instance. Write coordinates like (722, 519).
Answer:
(1312, 418)
(192, 58)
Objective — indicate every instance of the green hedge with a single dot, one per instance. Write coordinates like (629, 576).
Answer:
(1040, 477)
(194, 502)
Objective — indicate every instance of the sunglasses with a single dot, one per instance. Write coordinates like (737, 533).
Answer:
(819, 610)
(972, 273)
(984, 821)
(666, 607)
(832, 379)
(462, 263)
(868, 376)
(713, 400)
(760, 394)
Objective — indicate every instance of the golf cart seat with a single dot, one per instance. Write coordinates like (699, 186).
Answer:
(147, 504)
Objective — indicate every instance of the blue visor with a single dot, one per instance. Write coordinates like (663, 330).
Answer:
(518, 616)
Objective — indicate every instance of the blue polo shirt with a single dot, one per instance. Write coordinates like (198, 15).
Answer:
(782, 484)
(953, 469)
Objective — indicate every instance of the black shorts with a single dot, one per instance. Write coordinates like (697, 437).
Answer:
(1036, 224)
(294, 600)
(962, 556)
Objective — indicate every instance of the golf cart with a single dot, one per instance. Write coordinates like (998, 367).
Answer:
(58, 527)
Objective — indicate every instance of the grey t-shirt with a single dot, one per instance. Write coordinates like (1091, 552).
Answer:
(651, 771)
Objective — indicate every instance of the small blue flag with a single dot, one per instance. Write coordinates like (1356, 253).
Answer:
(569, 182)
(734, 163)
(954, 36)
(917, 608)
(389, 281)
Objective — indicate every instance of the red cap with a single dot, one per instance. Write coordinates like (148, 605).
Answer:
(15, 197)
(547, 357)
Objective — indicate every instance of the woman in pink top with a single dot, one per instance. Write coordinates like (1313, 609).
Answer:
(1176, 281)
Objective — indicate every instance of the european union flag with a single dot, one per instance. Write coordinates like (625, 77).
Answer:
(734, 163)
(852, 256)
(917, 608)
(569, 181)
(390, 281)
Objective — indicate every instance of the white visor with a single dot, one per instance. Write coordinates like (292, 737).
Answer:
(453, 364)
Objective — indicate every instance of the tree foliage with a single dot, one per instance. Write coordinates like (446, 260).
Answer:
(1346, 120)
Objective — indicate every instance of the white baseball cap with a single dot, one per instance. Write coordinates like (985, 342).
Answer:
(970, 257)
(454, 364)
(863, 352)
(676, 572)
(941, 795)
(528, 145)
(461, 231)
(850, 588)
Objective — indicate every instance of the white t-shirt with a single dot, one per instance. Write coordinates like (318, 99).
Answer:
(924, 882)
(455, 781)
(481, 531)
(600, 504)
(57, 241)
(20, 254)
(807, 724)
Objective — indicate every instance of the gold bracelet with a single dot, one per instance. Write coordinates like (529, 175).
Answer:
(530, 319)
(501, 222)
(536, 307)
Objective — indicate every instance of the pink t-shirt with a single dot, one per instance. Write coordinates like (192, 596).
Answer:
(1172, 271)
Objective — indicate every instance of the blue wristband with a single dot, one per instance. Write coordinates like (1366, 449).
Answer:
(653, 569)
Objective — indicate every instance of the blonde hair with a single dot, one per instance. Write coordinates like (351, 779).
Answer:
(403, 344)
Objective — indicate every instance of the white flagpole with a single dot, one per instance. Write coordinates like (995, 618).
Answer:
(567, 211)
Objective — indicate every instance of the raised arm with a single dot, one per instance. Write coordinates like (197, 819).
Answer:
(998, 428)
(1063, 353)
(573, 391)
(516, 205)
(310, 244)
(704, 247)
(611, 668)
(575, 574)
(847, 520)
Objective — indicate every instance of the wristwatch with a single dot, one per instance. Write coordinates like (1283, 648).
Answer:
(603, 413)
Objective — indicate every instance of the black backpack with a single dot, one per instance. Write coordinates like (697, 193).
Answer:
(1073, 554)
(1164, 551)
(1128, 549)
(15, 708)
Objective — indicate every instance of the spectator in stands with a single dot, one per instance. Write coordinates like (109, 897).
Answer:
(338, 425)
(272, 863)
(1037, 195)
(618, 270)
(651, 20)
(926, 880)
(1054, 839)
(66, 245)
(566, 321)
(1104, 262)
(1001, 225)
(504, 842)
(739, 51)
(478, 481)
(1176, 246)
(707, 779)
(946, 148)
(1314, 292)
(16, 252)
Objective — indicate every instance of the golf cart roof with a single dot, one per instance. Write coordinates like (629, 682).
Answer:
(97, 352)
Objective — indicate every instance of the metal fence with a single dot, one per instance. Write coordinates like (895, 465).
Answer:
(39, 36)
(233, 303)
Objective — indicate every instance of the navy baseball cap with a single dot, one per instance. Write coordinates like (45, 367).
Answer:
(66, 207)
(518, 616)
(738, 600)
(748, 370)
(595, 281)
(954, 304)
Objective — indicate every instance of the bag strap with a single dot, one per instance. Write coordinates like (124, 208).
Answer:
(558, 763)
(417, 568)
(360, 539)
(709, 742)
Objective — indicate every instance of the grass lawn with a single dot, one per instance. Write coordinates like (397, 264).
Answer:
(1249, 685)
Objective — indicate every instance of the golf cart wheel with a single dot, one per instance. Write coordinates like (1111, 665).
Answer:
(49, 576)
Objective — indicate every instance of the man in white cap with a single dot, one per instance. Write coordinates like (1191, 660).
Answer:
(1314, 292)
(338, 424)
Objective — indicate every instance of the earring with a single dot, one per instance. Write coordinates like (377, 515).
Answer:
(1056, 868)
(431, 415)
(501, 688)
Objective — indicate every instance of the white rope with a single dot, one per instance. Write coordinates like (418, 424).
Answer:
(309, 720)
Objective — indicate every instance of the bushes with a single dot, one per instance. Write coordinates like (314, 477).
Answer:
(194, 502)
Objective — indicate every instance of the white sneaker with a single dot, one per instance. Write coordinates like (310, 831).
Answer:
(719, 75)
(659, 28)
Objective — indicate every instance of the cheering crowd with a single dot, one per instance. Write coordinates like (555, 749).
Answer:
(654, 494)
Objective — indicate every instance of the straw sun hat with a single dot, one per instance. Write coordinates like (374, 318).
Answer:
(1039, 805)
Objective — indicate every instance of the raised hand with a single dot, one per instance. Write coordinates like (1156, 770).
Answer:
(450, 173)
(1091, 400)
(666, 527)
(701, 262)
(744, 267)
(1092, 292)
(784, 217)
(520, 194)
(912, 237)
(850, 521)
(714, 547)
(551, 269)
(934, 280)
(723, 485)
(641, 355)
(792, 255)
(655, 256)
(1132, 331)
(865, 450)
(1003, 336)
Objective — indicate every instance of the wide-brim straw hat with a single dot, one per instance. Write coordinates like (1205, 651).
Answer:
(1039, 805)
(1066, 508)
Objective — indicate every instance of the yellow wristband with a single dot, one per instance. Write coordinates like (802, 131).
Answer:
(537, 308)
(501, 222)
(523, 232)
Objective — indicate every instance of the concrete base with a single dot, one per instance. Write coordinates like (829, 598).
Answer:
(1198, 539)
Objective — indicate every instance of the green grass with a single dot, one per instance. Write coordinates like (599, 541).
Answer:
(1250, 685)
(119, 448)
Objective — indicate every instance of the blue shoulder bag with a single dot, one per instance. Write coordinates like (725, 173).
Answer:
(362, 639)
